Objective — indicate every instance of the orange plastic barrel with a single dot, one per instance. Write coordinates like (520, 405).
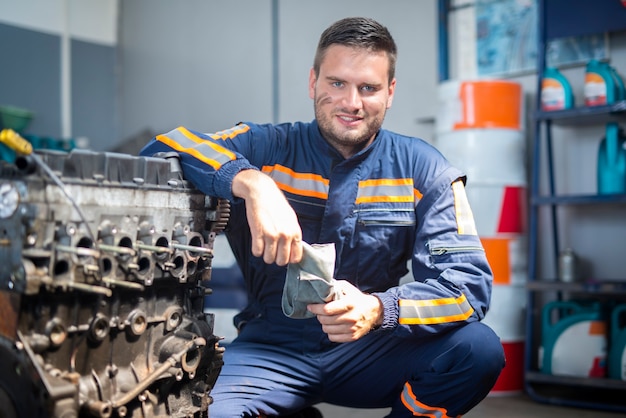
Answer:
(480, 104)
(490, 104)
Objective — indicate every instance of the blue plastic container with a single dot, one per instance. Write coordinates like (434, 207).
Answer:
(577, 325)
(556, 91)
(617, 351)
(612, 161)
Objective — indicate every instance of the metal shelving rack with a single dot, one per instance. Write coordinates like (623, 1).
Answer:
(559, 19)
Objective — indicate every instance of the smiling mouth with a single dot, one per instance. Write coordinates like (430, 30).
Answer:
(349, 119)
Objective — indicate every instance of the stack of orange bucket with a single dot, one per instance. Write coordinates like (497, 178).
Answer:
(480, 130)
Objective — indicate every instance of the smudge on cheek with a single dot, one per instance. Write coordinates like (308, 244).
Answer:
(324, 98)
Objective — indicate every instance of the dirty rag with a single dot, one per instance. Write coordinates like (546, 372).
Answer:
(310, 281)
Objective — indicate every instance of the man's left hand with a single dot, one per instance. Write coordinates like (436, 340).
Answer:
(351, 316)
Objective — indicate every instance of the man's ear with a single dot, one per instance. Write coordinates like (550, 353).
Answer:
(392, 90)
(312, 81)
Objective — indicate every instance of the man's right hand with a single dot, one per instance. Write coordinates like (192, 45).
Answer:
(276, 233)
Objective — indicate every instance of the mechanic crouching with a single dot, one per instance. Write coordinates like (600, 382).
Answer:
(325, 216)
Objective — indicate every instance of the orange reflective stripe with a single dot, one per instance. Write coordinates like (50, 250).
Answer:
(385, 182)
(419, 409)
(220, 149)
(204, 150)
(434, 311)
(230, 133)
(290, 172)
(302, 184)
(376, 199)
(385, 191)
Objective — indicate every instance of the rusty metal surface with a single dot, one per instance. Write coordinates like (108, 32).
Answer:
(104, 260)
(9, 310)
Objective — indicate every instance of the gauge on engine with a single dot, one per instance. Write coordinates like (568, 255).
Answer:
(9, 200)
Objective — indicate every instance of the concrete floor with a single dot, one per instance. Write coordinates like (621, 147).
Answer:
(510, 406)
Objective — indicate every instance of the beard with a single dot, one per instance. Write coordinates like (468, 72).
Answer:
(342, 138)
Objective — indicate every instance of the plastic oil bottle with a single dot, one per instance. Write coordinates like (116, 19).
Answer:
(580, 325)
(612, 161)
(556, 91)
(603, 85)
(619, 85)
(617, 351)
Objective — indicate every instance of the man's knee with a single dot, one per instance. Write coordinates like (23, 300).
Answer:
(474, 350)
(486, 349)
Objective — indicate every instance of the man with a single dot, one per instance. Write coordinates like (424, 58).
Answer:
(382, 199)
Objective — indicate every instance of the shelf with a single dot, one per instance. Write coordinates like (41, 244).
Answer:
(583, 17)
(585, 115)
(602, 383)
(578, 199)
(580, 392)
(560, 19)
(612, 288)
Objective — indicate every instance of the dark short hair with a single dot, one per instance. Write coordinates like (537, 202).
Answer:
(357, 32)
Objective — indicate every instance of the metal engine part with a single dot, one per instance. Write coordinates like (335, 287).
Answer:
(104, 262)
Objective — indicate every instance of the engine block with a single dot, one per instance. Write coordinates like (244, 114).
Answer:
(104, 263)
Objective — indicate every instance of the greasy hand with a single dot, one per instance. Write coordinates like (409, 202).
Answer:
(350, 317)
(276, 234)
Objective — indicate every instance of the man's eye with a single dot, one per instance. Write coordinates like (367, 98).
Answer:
(368, 89)
(337, 84)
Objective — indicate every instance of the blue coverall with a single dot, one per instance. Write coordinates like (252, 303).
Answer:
(397, 200)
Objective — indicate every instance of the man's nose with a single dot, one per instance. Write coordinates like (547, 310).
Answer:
(352, 98)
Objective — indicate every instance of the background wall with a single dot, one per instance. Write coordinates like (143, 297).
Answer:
(59, 61)
(203, 64)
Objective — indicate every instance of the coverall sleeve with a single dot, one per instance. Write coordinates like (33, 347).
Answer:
(452, 277)
(209, 161)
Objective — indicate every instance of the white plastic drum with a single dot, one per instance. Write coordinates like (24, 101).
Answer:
(487, 156)
(480, 131)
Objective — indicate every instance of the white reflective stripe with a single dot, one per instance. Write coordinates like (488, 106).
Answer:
(464, 216)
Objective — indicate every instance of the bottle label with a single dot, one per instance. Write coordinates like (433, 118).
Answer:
(552, 95)
(595, 90)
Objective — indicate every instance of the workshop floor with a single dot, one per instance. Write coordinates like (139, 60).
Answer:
(514, 406)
